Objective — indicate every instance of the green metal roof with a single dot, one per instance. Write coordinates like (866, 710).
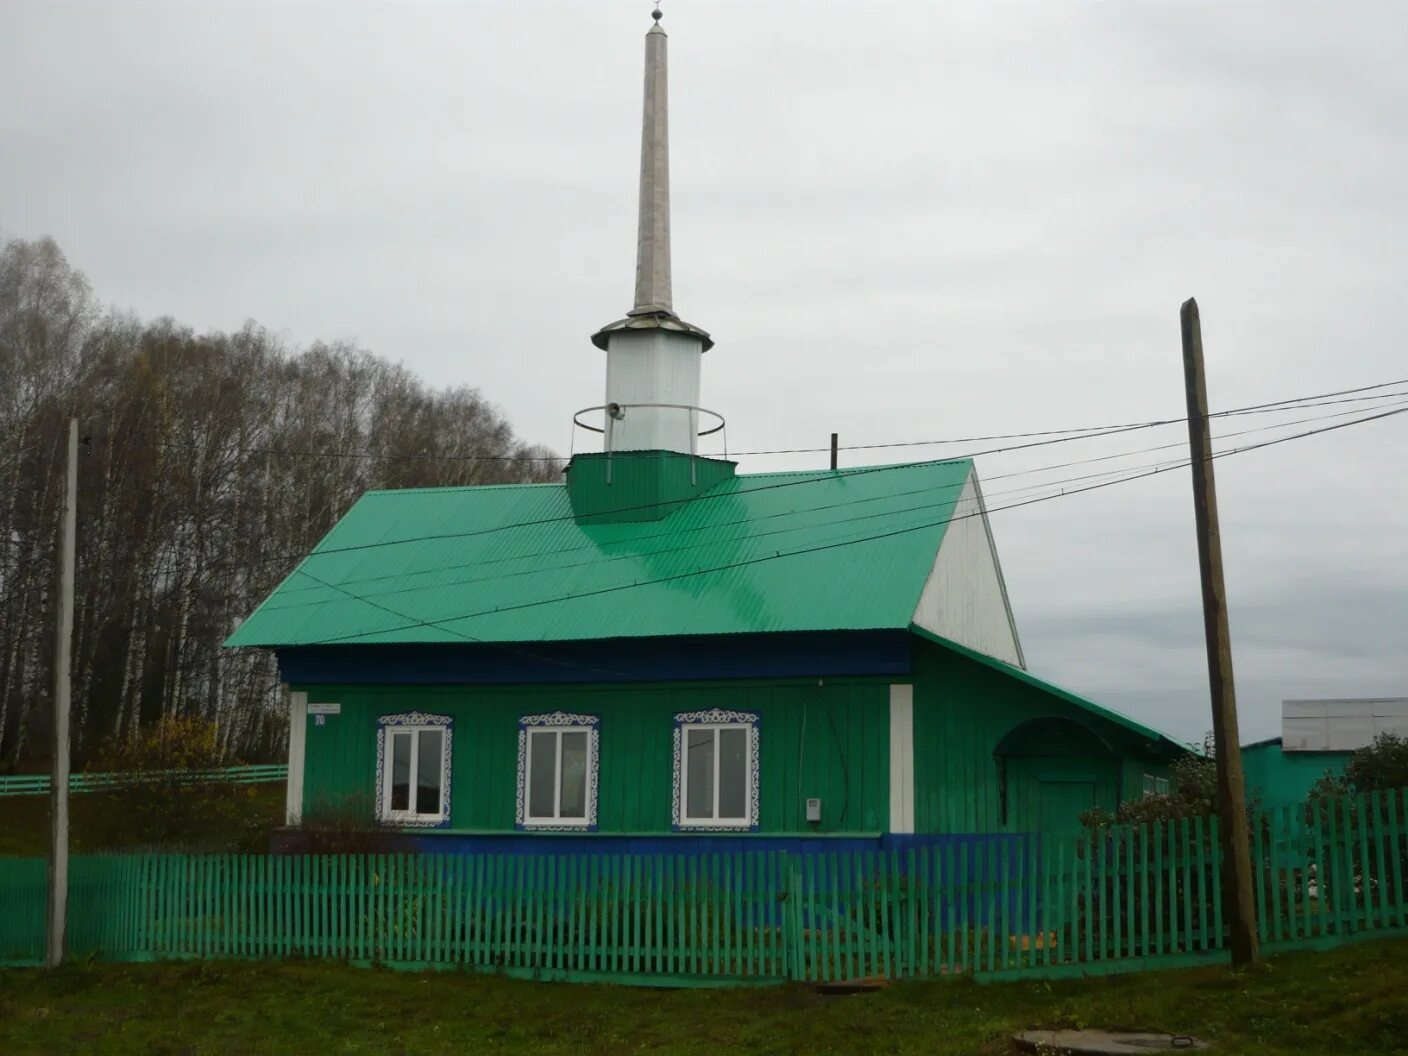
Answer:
(1138, 728)
(826, 550)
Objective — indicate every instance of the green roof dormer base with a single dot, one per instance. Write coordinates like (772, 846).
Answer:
(639, 485)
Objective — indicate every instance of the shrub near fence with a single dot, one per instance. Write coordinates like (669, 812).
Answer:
(1118, 899)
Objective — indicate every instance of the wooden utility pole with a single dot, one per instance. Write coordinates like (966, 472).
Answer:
(63, 641)
(1231, 793)
(834, 449)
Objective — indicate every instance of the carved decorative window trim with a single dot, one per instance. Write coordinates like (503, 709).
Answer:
(559, 720)
(418, 720)
(714, 717)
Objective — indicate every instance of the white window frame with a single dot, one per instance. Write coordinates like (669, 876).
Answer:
(715, 719)
(1155, 786)
(558, 722)
(412, 722)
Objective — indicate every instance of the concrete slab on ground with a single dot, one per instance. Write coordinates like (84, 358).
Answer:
(1104, 1042)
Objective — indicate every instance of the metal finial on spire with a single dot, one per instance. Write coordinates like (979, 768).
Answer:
(657, 14)
(653, 292)
(654, 307)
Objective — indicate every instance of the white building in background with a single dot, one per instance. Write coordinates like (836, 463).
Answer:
(1340, 725)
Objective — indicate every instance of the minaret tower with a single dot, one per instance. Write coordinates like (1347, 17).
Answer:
(651, 420)
(652, 355)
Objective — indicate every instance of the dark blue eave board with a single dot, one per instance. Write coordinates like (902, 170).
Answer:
(697, 657)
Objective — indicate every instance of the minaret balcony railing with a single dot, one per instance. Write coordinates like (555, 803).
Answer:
(616, 412)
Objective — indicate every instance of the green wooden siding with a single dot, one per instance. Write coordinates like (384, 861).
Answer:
(804, 729)
(826, 740)
(1047, 794)
(638, 485)
(1275, 777)
(1134, 770)
(963, 709)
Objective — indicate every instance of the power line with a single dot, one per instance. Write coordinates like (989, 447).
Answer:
(1075, 432)
(1318, 396)
(439, 623)
(575, 665)
(1263, 408)
(676, 533)
(811, 478)
(1071, 433)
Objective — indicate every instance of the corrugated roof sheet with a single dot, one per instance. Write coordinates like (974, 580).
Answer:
(827, 550)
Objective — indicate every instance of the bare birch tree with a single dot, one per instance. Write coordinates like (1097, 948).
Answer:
(212, 462)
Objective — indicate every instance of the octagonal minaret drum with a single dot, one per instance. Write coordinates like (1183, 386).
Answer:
(653, 356)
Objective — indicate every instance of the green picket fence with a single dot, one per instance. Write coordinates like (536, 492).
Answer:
(696, 917)
(22, 903)
(38, 784)
(1034, 904)
(1119, 899)
(1330, 871)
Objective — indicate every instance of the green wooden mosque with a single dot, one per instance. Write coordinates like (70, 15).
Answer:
(663, 653)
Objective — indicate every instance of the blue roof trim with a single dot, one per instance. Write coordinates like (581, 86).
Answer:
(688, 658)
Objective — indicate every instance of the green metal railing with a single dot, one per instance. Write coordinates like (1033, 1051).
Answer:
(1120, 899)
(38, 784)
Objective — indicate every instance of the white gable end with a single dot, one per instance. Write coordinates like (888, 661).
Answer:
(964, 598)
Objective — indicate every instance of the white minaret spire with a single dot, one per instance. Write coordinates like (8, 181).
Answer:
(653, 242)
(652, 355)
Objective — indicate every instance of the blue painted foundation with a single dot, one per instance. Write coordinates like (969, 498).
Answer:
(984, 864)
(978, 867)
(589, 844)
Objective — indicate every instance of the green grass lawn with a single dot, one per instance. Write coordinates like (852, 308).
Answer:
(1350, 1001)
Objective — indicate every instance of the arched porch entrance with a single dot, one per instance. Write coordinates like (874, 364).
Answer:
(1050, 770)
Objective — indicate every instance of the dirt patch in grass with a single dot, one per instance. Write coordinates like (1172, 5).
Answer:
(1346, 1002)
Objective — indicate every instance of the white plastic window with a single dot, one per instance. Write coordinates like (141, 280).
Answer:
(557, 771)
(1155, 786)
(559, 775)
(413, 774)
(718, 779)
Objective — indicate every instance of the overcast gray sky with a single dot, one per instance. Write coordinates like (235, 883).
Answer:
(900, 221)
